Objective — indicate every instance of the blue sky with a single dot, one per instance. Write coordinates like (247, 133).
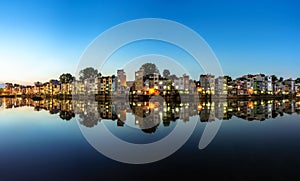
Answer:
(40, 40)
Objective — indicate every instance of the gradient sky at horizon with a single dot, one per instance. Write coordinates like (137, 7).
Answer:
(40, 40)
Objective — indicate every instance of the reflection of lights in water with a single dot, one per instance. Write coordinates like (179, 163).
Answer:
(199, 107)
(152, 105)
(250, 105)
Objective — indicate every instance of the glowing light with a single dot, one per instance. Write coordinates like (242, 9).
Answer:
(250, 91)
(152, 105)
(151, 91)
(199, 107)
(250, 105)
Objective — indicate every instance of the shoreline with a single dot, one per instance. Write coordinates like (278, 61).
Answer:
(98, 97)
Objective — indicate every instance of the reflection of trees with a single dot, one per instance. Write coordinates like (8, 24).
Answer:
(88, 112)
(89, 120)
(147, 118)
(120, 122)
(168, 117)
(150, 130)
(66, 115)
(52, 111)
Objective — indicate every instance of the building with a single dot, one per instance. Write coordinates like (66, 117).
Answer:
(106, 85)
(54, 86)
(290, 86)
(241, 86)
(78, 87)
(155, 80)
(129, 84)
(297, 88)
(8, 89)
(208, 84)
(37, 87)
(66, 88)
(139, 81)
(250, 86)
(182, 84)
(121, 86)
(259, 84)
(269, 83)
(279, 88)
(221, 86)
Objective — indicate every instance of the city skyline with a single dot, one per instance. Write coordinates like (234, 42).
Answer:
(149, 81)
(43, 39)
(25, 83)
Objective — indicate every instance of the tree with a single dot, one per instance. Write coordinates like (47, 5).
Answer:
(89, 120)
(297, 81)
(66, 78)
(228, 78)
(173, 77)
(166, 73)
(1, 91)
(280, 79)
(150, 68)
(66, 115)
(274, 78)
(87, 73)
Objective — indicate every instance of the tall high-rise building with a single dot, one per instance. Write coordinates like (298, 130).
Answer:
(121, 77)
(121, 82)
(221, 86)
(139, 82)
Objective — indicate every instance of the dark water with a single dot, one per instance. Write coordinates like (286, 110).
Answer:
(41, 140)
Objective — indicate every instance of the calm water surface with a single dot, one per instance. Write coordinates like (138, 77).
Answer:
(41, 140)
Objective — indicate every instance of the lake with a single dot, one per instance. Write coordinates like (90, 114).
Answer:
(46, 140)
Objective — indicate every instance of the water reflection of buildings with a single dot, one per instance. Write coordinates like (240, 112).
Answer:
(54, 106)
(148, 115)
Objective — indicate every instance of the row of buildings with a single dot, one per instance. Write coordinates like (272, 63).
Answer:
(92, 85)
(261, 84)
(248, 85)
(53, 87)
(208, 84)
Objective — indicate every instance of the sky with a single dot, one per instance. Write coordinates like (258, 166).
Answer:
(40, 40)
